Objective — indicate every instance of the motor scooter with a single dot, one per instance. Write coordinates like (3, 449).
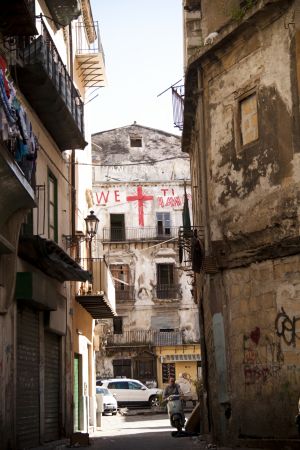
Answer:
(175, 411)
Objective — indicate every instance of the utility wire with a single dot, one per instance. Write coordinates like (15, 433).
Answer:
(130, 164)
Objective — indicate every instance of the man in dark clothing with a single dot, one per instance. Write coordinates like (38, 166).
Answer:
(172, 389)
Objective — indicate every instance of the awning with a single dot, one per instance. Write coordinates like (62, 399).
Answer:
(51, 259)
(181, 357)
(97, 305)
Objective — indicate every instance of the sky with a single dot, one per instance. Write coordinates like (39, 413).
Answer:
(143, 47)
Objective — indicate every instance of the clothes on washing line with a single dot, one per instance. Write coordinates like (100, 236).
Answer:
(15, 126)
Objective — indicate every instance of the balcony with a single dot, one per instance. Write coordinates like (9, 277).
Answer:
(97, 296)
(125, 294)
(145, 337)
(116, 234)
(47, 85)
(17, 18)
(90, 56)
(63, 11)
(167, 291)
(17, 191)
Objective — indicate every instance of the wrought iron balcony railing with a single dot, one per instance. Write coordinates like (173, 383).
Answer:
(167, 291)
(90, 55)
(44, 80)
(125, 294)
(118, 234)
(146, 337)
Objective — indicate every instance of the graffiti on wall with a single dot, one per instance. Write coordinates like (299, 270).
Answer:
(263, 358)
(165, 197)
(286, 327)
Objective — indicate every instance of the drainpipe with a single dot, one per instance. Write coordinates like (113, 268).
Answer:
(207, 244)
(73, 173)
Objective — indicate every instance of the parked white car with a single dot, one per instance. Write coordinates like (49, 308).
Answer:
(110, 404)
(129, 392)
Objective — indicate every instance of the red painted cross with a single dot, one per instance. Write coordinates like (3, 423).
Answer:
(140, 197)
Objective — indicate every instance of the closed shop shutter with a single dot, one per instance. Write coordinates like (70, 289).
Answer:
(28, 404)
(52, 386)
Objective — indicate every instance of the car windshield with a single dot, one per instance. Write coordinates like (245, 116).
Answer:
(102, 390)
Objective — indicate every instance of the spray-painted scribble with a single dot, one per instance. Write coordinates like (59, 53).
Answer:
(286, 327)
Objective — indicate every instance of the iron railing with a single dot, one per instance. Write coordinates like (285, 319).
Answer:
(88, 39)
(126, 293)
(98, 269)
(118, 234)
(190, 241)
(178, 105)
(146, 337)
(42, 50)
(167, 291)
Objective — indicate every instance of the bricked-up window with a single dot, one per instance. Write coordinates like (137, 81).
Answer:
(248, 119)
(136, 142)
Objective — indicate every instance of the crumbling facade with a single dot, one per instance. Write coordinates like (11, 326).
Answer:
(47, 372)
(138, 193)
(241, 130)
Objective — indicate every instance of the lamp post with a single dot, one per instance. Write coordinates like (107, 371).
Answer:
(91, 223)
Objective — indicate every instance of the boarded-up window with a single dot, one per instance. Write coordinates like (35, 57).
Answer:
(248, 119)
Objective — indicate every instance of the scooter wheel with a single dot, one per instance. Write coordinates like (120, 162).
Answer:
(178, 425)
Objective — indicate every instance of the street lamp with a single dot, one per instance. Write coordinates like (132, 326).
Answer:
(91, 223)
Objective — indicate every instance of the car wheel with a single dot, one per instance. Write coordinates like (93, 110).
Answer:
(114, 413)
(154, 401)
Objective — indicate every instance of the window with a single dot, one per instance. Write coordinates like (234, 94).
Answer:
(134, 385)
(118, 325)
(117, 227)
(168, 370)
(165, 274)
(163, 224)
(248, 119)
(136, 142)
(118, 385)
(52, 207)
(121, 276)
(165, 281)
(122, 368)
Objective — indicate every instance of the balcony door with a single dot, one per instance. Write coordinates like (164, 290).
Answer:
(163, 224)
(117, 227)
(120, 273)
(165, 280)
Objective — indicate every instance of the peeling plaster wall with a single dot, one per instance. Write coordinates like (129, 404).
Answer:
(259, 171)
(251, 307)
(160, 169)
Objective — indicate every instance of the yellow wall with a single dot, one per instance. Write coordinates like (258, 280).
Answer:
(82, 322)
(188, 367)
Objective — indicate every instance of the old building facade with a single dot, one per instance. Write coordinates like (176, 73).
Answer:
(46, 330)
(241, 130)
(138, 191)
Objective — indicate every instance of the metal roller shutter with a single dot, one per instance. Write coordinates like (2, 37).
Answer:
(28, 403)
(52, 386)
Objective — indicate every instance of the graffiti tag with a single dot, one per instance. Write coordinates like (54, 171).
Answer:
(286, 327)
